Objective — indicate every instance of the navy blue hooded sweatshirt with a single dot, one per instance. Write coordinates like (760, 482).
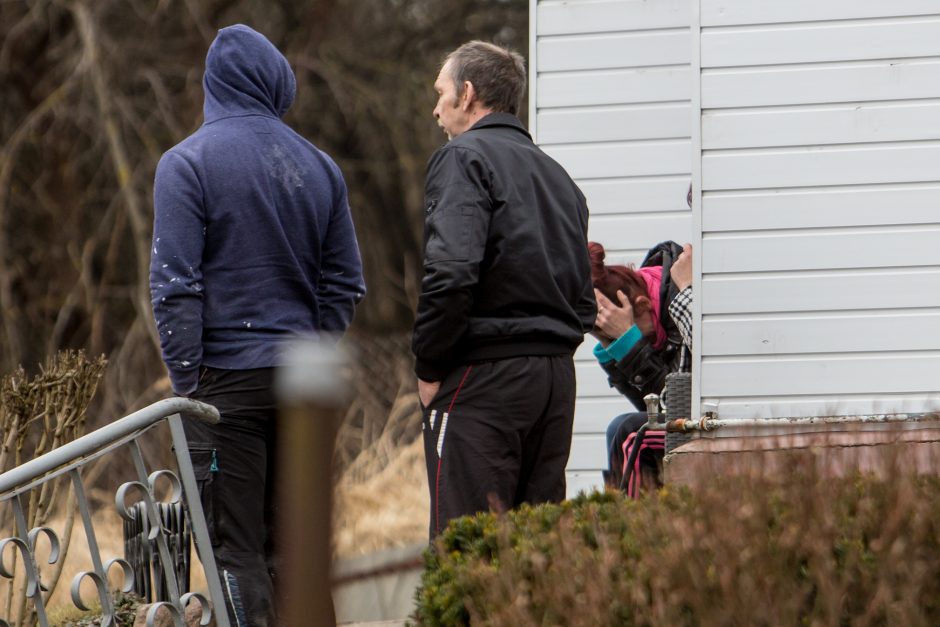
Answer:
(253, 243)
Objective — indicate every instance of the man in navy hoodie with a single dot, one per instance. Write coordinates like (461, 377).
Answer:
(253, 245)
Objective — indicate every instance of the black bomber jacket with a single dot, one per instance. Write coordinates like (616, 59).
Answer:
(506, 270)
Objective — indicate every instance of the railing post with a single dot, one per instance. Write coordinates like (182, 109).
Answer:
(312, 389)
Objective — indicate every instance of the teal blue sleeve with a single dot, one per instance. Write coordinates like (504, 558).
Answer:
(621, 347)
(601, 353)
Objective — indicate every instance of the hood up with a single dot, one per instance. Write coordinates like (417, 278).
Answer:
(246, 74)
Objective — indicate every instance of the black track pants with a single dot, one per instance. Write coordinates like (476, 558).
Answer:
(498, 434)
(234, 463)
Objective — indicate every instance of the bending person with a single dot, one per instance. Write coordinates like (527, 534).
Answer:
(644, 332)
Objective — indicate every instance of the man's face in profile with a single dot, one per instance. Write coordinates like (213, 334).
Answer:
(450, 115)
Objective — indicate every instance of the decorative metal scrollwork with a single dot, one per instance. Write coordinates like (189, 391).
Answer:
(178, 616)
(32, 578)
(172, 609)
(120, 498)
(127, 584)
(100, 585)
(206, 617)
(128, 575)
(176, 487)
(33, 537)
(28, 553)
(147, 492)
(130, 513)
(168, 524)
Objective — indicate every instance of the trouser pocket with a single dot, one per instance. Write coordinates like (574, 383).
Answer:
(205, 462)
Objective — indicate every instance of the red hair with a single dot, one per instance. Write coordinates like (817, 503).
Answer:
(609, 279)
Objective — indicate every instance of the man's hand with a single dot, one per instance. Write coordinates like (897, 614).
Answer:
(613, 320)
(681, 270)
(427, 390)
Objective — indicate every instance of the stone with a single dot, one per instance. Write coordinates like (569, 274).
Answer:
(192, 616)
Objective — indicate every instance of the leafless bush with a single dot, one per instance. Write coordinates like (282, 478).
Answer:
(38, 414)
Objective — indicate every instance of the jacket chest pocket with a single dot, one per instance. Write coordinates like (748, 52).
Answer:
(449, 232)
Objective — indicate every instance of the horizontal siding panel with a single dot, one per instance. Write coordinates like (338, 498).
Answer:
(588, 452)
(803, 167)
(897, 373)
(584, 481)
(661, 84)
(734, 12)
(561, 18)
(821, 42)
(821, 291)
(592, 381)
(584, 352)
(876, 331)
(819, 208)
(884, 80)
(876, 247)
(845, 405)
(643, 158)
(592, 415)
(664, 121)
(844, 124)
(650, 194)
(597, 52)
(643, 231)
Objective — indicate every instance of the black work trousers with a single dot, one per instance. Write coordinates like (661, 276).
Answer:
(235, 463)
(497, 434)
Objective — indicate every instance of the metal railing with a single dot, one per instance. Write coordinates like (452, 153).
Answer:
(69, 460)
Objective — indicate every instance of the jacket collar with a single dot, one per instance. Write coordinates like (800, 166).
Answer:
(501, 119)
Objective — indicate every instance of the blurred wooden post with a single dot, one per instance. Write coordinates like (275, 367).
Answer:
(312, 390)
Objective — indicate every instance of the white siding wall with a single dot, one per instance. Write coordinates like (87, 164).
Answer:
(820, 205)
(610, 100)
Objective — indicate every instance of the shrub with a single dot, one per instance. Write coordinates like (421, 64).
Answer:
(743, 551)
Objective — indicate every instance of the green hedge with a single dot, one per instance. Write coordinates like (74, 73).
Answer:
(735, 552)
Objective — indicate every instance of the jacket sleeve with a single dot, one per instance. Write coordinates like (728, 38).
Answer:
(680, 310)
(458, 209)
(640, 372)
(341, 286)
(586, 307)
(176, 269)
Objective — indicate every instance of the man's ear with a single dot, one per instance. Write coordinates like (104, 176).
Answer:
(468, 97)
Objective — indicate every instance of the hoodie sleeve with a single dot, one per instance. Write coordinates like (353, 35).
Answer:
(175, 269)
(458, 210)
(341, 286)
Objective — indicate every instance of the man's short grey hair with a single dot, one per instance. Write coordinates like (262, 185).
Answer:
(498, 74)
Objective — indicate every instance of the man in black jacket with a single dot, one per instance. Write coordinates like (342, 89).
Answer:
(505, 300)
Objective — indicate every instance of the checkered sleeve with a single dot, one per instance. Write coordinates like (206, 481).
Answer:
(681, 311)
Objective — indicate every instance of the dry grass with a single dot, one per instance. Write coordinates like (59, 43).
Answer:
(389, 510)
(381, 494)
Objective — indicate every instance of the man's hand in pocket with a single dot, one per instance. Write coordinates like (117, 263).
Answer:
(427, 390)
